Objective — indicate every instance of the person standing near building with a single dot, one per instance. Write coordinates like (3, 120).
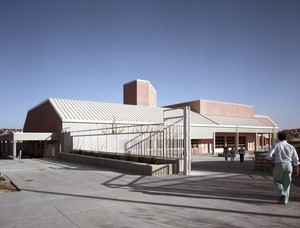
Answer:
(232, 154)
(286, 158)
(225, 152)
(242, 154)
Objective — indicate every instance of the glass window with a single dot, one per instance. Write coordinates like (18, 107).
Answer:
(220, 142)
(230, 141)
(242, 141)
(194, 143)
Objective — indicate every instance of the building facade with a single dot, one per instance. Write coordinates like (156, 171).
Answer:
(236, 126)
(50, 126)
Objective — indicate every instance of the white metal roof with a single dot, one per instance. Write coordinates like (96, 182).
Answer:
(100, 112)
(239, 121)
(88, 111)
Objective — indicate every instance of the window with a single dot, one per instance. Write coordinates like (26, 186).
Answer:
(242, 141)
(194, 143)
(230, 141)
(220, 142)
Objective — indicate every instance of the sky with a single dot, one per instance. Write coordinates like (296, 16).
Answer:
(235, 51)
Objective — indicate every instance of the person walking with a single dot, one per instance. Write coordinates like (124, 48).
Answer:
(232, 154)
(286, 160)
(225, 152)
(242, 154)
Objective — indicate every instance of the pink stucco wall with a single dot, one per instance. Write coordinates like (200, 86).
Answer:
(218, 108)
(225, 109)
(129, 93)
(195, 105)
(139, 92)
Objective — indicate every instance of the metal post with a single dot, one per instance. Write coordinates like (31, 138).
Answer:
(214, 143)
(236, 140)
(150, 146)
(256, 143)
(187, 142)
(270, 135)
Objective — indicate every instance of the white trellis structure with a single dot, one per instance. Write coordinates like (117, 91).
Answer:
(170, 139)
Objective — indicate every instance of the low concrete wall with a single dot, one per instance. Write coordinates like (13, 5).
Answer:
(135, 167)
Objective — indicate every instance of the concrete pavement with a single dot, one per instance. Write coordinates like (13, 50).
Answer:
(55, 193)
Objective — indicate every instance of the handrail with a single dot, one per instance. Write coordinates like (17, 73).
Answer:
(145, 145)
(155, 133)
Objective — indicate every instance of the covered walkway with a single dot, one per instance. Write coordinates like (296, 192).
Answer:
(9, 142)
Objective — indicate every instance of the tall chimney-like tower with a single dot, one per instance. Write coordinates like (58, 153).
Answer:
(139, 92)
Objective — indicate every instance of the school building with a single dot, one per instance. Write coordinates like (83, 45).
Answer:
(61, 125)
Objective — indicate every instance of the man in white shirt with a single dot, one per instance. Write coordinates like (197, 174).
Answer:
(286, 158)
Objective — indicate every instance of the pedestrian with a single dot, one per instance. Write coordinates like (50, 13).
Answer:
(286, 160)
(225, 152)
(232, 154)
(242, 154)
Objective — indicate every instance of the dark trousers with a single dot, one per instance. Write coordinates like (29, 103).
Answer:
(242, 157)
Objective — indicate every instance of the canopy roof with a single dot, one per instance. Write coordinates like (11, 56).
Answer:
(240, 121)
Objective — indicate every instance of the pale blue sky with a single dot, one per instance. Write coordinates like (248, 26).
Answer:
(236, 51)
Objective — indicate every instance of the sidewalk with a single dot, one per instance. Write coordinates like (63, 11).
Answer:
(55, 193)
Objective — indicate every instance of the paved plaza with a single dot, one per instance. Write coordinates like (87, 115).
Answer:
(56, 193)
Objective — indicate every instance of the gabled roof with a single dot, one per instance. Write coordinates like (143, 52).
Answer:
(89, 111)
(77, 111)
(99, 112)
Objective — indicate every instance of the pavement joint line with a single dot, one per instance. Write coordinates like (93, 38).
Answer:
(61, 212)
(161, 204)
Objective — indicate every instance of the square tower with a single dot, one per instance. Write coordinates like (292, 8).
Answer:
(139, 92)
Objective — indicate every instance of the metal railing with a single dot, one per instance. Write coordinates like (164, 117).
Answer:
(167, 143)
(170, 139)
(107, 138)
(262, 164)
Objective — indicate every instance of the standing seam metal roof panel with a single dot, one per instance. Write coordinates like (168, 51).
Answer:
(238, 121)
(96, 112)
(73, 110)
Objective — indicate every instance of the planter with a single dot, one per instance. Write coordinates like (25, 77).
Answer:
(132, 166)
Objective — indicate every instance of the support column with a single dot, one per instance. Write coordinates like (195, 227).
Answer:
(187, 142)
(273, 139)
(14, 149)
(214, 143)
(236, 140)
(164, 141)
(256, 144)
